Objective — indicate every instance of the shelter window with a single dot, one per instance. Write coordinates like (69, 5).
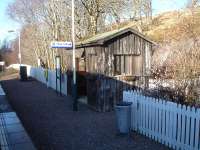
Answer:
(92, 63)
(128, 65)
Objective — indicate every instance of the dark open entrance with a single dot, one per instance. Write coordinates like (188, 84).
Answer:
(80, 79)
(81, 83)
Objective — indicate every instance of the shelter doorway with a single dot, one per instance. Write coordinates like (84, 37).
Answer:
(81, 80)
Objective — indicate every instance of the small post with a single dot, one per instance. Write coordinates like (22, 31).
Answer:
(58, 75)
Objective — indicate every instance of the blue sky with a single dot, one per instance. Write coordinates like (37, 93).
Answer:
(160, 6)
(6, 23)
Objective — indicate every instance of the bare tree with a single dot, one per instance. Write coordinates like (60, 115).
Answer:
(47, 20)
(192, 3)
(97, 9)
(182, 64)
(142, 8)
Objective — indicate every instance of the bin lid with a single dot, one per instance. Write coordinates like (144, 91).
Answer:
(124, 104)
(23, 67)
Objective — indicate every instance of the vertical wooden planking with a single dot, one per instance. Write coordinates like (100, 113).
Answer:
(111, 59)
(125, 95)
(135, 44)
(126, 64)
(183, 112)
(142, 102)
(153, 118)
(132, 111)
(178, 141)
(115, 47)
(129, 95)
(140, 111)
(160, 121)
(139, 107)
(141, 115)
(174, 127)
(132, 43)
(131, 98)
(156, 120)
(124, 45)
(170, 123)
(167, 124)
(163, 123)
(145, 119)
(128, 38)
(197, 125)
(149, 118)
(135, 112)
(130, 65)
(122, 64)
(138, 115)
(188, 117)
(120, 46)
(192, 128)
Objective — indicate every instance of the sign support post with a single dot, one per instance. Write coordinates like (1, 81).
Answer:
(75, 103)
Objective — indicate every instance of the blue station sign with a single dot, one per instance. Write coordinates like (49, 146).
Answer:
(57, 44)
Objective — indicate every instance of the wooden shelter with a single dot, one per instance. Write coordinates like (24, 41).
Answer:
(110, 62)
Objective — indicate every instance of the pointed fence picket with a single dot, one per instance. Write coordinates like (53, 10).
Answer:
(174, 125)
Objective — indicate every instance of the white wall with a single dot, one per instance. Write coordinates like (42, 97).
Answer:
(38, 74)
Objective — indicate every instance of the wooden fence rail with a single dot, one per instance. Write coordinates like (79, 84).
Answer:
(171, 124)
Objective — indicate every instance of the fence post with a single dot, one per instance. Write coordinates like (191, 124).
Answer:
(178, 141)
(196, 142)
(169, 123)
(183, 113)
(192, 129)
(138, 113)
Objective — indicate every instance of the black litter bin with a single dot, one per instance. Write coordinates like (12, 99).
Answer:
(23, 73)
(123, 114)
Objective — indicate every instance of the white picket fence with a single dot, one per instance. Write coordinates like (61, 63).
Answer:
(38, 73)
(171, 124)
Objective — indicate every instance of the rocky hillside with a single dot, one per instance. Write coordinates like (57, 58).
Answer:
(167, 26)
(174, 25)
